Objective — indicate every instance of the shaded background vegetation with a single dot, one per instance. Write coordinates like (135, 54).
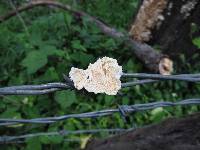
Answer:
(47, 43)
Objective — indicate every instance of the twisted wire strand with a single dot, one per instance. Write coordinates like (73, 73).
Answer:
(34, 89)
(183, 77)
(57, 86)
(123, 109)
(139, 82)
(38, 87)
(7, 139)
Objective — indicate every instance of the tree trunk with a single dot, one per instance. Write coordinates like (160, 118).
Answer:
(174, 35)
(172, 134)
(168, 23)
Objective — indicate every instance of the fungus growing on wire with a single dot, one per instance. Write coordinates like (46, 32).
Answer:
(103, 76)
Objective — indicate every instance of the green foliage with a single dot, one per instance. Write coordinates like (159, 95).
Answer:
(65, 99)
(53, 43)
(33, 144)
(196, 42)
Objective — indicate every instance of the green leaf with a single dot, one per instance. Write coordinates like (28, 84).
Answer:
(85, 59)
(51, 139)
(110, 43)
(196, 42)
(157, 114)
(34, 61)
(68, 19)
(65, 98)
(33, 144)
(76, 44)
(48, 50)
(109, 99)
(130, 65)
(11, 112)
(45, 139)
(125, 100)
(38, 59)
(50, 75)
(56, 139)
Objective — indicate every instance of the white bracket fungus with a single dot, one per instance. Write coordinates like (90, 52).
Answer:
(103, 76)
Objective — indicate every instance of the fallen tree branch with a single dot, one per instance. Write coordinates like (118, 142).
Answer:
(152, 59)
(171, 134)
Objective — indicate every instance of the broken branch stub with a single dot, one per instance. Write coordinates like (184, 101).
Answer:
(148, 17)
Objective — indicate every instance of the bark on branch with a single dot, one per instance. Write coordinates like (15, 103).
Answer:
(152, 59)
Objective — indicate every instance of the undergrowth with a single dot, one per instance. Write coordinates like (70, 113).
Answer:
(50, 43)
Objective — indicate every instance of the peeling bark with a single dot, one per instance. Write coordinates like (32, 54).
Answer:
(149, 14)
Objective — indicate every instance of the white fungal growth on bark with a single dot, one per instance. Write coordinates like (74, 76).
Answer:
(186, 9)
(148, 17)
(103, 76)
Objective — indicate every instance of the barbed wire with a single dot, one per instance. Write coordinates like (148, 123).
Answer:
(57, 86)
(124, 110)
(14, 139)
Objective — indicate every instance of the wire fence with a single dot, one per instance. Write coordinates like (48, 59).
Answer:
(123, 110)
